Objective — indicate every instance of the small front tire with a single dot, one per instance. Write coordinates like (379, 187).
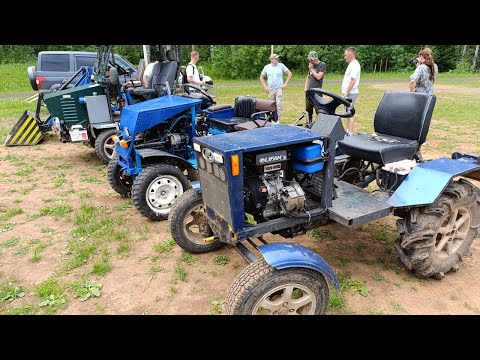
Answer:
(119, 181)
(105, 146)
(262, 290)
(156, 189)
(188, 224)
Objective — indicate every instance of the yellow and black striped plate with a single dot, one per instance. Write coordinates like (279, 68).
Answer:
(25, 132)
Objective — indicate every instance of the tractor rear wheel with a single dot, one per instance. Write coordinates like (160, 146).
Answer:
(156, 188)
(433, 239)
(189, 226)
(118, 180)
(262, 290)
(105, 146)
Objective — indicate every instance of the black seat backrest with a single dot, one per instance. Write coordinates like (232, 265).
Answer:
(245, 106)
(157, 71)
(169, 71)
(405, 114)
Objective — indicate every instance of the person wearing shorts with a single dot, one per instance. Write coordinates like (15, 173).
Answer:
(350, 82)
(275, 85)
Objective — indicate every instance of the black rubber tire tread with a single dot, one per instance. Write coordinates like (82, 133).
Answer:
(253, 279)
(143, 180)
(113, 171)
(179, 210)
(416, 245)
(100, 140)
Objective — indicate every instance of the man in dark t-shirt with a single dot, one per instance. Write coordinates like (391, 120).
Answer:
(316, 71)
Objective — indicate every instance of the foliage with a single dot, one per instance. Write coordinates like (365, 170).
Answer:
(84, 290)
(221, 260)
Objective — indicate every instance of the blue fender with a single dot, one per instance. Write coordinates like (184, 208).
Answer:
(287, 255)
(426, 182)
(196, 186)
(155, 153)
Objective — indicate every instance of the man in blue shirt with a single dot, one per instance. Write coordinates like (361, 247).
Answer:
(275, 85)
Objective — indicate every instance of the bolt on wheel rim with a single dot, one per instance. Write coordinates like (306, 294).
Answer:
(162, 193)
(452, 232)
(288, 299)
(109, 147)
(195, 225)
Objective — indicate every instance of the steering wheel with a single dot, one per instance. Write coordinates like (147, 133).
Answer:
(199, 89)
(328, 106)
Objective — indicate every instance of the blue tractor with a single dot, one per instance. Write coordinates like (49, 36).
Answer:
(155, 161)
(288, 179)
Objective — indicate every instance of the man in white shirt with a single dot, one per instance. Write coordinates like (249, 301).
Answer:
(193, 77)
(350, 82)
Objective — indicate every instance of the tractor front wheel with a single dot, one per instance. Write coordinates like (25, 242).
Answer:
(105, 146)
(118, 180)
(262, 290)
(433, 239)
(189, 226)
(156, 189)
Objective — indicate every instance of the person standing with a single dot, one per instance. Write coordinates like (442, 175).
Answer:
(193, 77)
(316, 71)
(350, 82)
(275, 85)
(422, 79)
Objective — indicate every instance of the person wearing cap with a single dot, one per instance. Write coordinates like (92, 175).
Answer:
(316, 71)
(275, 85)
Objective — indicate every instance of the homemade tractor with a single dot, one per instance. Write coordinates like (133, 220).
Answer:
(155, 161)
(86, 112)
(287, 179)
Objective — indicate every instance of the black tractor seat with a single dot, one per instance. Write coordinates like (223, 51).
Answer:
(163, 73)
(402, 121)
(245, 107)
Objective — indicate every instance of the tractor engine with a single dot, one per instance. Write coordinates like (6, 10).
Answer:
(267, 192)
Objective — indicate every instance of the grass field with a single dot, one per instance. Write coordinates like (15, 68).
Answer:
(69, 244)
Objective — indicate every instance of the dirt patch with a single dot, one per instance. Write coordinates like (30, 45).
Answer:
(439, 88)
(146, 281)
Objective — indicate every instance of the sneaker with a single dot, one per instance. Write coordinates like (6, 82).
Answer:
(348, 133)
(275, 122)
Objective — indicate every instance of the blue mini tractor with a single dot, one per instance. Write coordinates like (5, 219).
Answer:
(288, 179)
(155, 161)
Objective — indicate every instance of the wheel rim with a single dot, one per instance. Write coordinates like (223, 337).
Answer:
(288, 299)
(452, 232)
(162, 192)
(109, 147)
(196, 226)
(125, 180)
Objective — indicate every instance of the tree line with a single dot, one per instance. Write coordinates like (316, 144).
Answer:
(246, 61)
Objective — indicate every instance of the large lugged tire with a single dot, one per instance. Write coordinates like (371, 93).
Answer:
(433, 239)
(262, 290)
(105, 146)
(188, 224)
(119, 181)
(156, 188)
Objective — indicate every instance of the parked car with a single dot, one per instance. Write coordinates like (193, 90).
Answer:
(53, 67)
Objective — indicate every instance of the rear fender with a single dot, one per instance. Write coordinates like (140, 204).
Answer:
(426, 182)
(287, 255)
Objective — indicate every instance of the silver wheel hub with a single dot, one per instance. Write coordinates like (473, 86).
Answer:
(288, 299)
(195, 225)
(162, 193)
(452, 232)
(109, 148)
